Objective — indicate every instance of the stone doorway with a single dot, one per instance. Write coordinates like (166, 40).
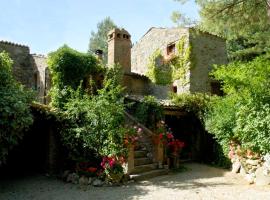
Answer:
(199, 145)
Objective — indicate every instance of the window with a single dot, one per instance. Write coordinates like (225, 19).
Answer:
(171, 49)
(35, 81)
(216, 88)
(118, 35)
(110, 36)
(175, 89)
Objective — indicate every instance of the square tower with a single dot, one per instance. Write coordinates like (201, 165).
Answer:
(119, 49)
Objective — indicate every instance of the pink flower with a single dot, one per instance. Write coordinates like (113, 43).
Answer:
(111, 162)
(160, 136)
(170, 136)
(139, 130)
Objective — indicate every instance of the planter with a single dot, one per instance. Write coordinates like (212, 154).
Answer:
(115, 177)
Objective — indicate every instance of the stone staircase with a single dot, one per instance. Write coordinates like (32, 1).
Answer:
(144, 165)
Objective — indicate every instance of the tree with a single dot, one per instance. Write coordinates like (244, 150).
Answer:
(244, 23)
(98, 40)
(15, 116)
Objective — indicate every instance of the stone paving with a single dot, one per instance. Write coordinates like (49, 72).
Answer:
(199, 182)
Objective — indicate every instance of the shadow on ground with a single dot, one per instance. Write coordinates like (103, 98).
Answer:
(41, 187)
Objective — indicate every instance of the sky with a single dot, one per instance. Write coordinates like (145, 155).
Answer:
(45, 25)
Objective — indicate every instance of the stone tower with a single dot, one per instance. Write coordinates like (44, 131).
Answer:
(119, 49)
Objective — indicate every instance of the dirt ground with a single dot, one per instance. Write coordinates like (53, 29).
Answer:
(199, 182)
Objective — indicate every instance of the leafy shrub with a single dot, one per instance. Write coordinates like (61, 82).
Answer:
(96, 123)
(192, 103)
(15, 116)
(149, 112)
(68, 69)
(243, 115)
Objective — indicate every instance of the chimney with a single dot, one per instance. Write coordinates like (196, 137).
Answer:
(119, 49)
(99, 54)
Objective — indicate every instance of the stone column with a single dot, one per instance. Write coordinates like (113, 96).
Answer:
(130, 160)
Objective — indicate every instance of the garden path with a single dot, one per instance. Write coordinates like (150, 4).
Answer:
(199, 182)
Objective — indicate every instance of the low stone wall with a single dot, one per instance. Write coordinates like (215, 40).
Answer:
(253, 167)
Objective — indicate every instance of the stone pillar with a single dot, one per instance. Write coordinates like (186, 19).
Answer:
(158, 151)
(130, 160)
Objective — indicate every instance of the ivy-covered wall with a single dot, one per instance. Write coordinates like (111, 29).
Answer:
(188, 69)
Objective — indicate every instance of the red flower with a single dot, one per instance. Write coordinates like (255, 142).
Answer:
(160, 136)
(170, 136)
(92, 169)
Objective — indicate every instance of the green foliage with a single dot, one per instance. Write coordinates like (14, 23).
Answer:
(98, 40)
(159, 72)
(192, 103)
(96, 123)
(220, 159)
(68, 69)
(220, 119)
(243, 115)
(15, 116)
(149, 112)
(164, 71)
(181, 62)
(249, 35)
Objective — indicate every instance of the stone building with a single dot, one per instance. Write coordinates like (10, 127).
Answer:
(29, 69)
(205, 51)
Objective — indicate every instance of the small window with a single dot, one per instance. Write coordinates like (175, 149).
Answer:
(174, 89)
(216, 88)
(118, 35)
(124, 36)
(171, 49)
(127, 36)
(35, 81)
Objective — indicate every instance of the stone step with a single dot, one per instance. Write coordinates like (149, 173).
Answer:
(144, 168)
(142, 161)
(149, 174)
(140, 154)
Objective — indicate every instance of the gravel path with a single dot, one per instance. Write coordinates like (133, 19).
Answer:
(199, 182)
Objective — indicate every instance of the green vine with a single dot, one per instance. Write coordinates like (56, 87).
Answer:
(164, 71)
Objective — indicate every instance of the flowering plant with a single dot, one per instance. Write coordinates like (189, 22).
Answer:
(88, 169)
(113, 168)
(175, 147)
(133, 135)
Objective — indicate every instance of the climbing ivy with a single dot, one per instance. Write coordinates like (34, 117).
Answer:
(181, 62)
(159, 72)
(165, 70)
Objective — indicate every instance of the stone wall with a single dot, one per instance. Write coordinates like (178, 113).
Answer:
(207, 50)
(136, 84)
(22, 69)
(30, 70)
(155, 38)
(39, 62)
